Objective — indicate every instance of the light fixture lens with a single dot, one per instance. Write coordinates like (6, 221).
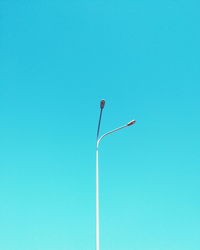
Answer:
(131, 122)
(102, 103)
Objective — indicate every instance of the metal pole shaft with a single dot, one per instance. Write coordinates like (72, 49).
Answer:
(97, 200)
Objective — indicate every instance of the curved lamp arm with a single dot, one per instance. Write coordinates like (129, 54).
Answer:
(126, 125)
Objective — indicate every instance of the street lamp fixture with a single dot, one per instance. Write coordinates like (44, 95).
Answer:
(98, 139)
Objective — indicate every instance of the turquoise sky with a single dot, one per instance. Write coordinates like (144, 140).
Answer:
(57, 60)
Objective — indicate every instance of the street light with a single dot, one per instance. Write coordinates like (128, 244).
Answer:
(102, 104)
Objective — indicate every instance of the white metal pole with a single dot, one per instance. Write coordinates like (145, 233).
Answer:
(97, 200)
(97, 182)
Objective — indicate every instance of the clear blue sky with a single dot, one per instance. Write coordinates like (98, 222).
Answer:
(57, 60)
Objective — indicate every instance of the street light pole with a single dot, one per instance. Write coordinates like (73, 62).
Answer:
(102, 104)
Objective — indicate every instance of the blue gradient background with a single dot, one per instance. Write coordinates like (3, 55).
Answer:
(57, 60)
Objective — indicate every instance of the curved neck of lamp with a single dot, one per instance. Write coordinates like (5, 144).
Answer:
(98, 141)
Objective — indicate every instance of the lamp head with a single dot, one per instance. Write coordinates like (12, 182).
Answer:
(131, 122)
(102, 103)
